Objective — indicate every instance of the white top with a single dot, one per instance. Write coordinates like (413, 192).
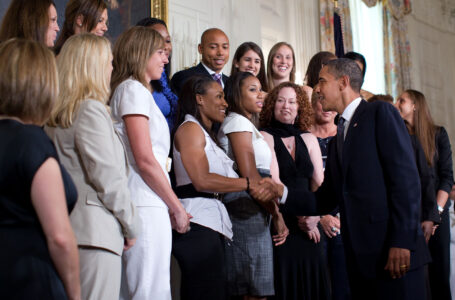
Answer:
(207, 212)
(348, 113)
(238, 123)
(132, 98)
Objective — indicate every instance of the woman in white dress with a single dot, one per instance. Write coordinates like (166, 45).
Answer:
(139, 57)
(250, 256)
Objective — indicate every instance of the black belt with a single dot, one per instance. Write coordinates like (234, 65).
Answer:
(188, 191)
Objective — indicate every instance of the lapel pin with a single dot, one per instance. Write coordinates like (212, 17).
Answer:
(355, 125)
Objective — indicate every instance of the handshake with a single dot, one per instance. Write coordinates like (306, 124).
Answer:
(266, 190)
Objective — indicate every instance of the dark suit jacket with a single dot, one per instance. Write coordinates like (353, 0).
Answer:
(429, 206)
(179, 78)
(377, 188)
(442, 165)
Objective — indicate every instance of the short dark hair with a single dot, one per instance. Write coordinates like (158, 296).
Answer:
(315, 65)
(358, 57)
(146, 22)
(240, 52)
(346, 67)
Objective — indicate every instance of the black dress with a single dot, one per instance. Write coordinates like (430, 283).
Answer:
(26, 268)
(439, 245)
(300, 265)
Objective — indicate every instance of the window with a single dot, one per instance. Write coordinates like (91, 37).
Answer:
(367, 39)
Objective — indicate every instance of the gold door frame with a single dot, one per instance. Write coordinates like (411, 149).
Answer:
(159, 9)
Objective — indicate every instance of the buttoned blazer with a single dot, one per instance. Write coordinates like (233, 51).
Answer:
(377, 188)
(179, 78)
(93, 154)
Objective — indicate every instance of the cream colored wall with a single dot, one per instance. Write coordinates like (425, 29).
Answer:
(264, 22)
(431, 28)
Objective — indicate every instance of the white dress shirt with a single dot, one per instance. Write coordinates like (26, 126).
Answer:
(348, 113)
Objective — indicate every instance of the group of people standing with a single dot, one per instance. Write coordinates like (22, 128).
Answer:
(88, 208)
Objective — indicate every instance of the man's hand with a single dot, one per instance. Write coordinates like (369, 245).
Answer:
(399, 262)
(330, 225)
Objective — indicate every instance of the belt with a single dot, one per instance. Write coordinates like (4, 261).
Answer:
(188, 191)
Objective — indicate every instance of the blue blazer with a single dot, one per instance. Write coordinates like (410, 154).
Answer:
(377, 188)
(179, 78)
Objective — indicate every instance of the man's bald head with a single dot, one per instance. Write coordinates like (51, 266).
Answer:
(214, 48)
(208, 34)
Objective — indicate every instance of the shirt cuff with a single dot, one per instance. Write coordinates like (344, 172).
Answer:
(285, 195)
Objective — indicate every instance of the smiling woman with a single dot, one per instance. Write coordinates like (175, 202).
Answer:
(280, 64)
(83, 16)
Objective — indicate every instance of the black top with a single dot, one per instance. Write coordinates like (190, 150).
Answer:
(295, 174)
(27, 271)
(442, 166)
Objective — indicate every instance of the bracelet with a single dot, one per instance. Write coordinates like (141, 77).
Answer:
(247, 185)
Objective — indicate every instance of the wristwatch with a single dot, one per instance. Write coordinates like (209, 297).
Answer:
(440, 209)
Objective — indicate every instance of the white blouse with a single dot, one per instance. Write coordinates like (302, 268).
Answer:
(237, 123)
(208, 212)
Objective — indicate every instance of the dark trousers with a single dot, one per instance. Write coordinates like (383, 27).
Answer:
(439, 268)
(334, 250)
(409, 287)
(200, 254)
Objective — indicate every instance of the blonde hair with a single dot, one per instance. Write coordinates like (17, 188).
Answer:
(272, 53)
(82, 64)
(25, 93)
(132, 52)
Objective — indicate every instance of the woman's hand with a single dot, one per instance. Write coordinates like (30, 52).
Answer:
(128, 243)
(308, 223)
(427, 228)
(180, 221)
(281, 229)
(314, 235)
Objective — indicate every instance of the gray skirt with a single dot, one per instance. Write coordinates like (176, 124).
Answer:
(249, 256)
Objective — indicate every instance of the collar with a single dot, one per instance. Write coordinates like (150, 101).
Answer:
(350, 109)
(211, 72)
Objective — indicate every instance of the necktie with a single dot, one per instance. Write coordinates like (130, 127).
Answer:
(217, 78)
(340, 137)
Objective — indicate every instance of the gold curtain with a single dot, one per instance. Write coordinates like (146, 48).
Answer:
(326, 10)
(397, 50)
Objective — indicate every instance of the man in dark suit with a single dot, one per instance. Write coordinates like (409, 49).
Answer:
(371, 174)
(214, 48)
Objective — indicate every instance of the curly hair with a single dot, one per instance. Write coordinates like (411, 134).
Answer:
(304, 118)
